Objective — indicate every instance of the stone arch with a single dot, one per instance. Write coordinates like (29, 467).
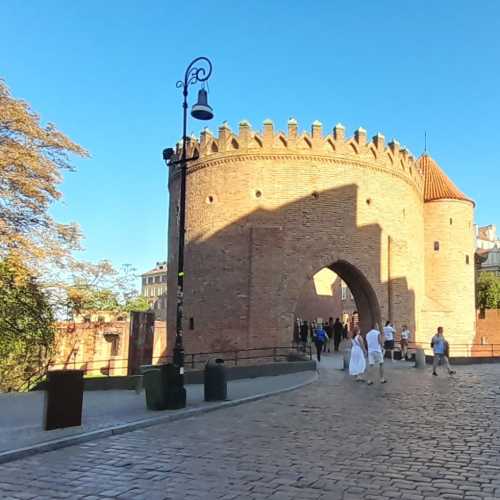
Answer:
(363, 292)
(367, 304)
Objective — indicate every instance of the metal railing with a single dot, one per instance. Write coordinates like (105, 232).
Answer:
(235, 357)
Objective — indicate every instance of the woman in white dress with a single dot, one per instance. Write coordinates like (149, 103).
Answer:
(357, 364)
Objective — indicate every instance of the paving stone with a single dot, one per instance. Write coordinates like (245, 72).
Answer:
(411, 439)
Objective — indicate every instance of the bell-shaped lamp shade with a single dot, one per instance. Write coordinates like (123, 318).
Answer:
(201, 110)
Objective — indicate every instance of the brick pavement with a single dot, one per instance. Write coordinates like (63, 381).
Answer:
(416, 437)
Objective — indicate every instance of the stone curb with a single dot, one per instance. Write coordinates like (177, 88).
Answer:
(8, 456)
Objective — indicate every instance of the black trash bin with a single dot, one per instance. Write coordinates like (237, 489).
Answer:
(215, 380)
(164, 389)
(63, 399)
(154, 388)
(175, 393)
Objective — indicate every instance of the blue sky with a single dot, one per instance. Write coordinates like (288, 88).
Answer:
(105, 74)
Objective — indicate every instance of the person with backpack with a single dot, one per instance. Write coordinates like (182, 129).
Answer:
(441, 350)
(319, 339)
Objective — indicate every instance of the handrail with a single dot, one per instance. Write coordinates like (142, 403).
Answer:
(107, 366)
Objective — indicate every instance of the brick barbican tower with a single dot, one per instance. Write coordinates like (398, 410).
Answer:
(266, 211)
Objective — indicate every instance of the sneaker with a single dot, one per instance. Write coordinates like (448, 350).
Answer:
(435, 374)
(383, 381)
(452, 372)
(369, 382)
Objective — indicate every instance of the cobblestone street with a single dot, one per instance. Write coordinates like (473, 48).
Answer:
(416, 437)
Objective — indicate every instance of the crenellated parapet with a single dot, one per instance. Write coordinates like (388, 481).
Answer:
(333, 146)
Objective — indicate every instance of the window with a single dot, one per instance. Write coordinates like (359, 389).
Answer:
(436, 246)
(191, 323)
(343, 291)
(115, 345)
(150, 280)
(466, 259)
(451, 221)
(164, 278)
(157, 279)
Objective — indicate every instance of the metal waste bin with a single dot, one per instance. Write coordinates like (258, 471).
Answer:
(154, 389)
(63, 399)
(164, 388)
(215, 380)
(419, 358)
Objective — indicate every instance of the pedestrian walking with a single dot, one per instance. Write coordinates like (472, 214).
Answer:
(405, 340)
(329, 331)
(389, 339)
(346, 347)
(374, 340)
(296, 331)
(326, 345)
(319, 339)
(357, 363)
(345, 330)
(337, 334)
(304, 330)
(441, 349)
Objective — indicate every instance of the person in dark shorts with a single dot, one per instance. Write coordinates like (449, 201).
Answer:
(389, 339)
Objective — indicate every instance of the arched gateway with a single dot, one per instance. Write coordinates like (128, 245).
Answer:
(266, 211)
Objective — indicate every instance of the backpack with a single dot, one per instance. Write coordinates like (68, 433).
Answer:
(320, 335)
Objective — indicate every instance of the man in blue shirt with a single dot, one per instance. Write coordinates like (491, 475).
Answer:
(438, 344)
(319, 339)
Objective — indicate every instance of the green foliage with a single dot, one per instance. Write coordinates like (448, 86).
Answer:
(100, 287)
(138, 303)
(26, 329)
(488, 291)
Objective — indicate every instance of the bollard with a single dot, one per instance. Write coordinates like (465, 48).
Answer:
(63, 399)
(419, 358)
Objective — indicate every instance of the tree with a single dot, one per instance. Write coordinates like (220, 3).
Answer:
(100, 287)
(32, 160)
(488, 291)
(138, 303)
(26, 328)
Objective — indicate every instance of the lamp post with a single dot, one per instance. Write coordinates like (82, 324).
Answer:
(199, 70)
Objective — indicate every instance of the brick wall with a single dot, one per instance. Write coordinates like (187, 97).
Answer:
(487, 339)
(266, 212)
(100, 348)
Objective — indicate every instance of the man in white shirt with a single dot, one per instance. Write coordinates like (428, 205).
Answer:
(389, 339)
(375, 355)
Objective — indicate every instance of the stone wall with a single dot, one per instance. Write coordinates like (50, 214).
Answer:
(487, 339)
(449, 272)
(100, 348)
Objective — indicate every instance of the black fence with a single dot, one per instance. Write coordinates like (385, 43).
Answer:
(119, 366)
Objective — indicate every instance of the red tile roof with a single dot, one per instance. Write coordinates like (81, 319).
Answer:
(437, 185)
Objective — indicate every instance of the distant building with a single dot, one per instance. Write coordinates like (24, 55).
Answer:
(487, 249)
(486, 237)
(154, 289)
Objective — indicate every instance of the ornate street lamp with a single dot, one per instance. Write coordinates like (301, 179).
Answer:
(199, 70)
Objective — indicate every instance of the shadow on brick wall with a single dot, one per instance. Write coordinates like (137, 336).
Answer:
(243, 283)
